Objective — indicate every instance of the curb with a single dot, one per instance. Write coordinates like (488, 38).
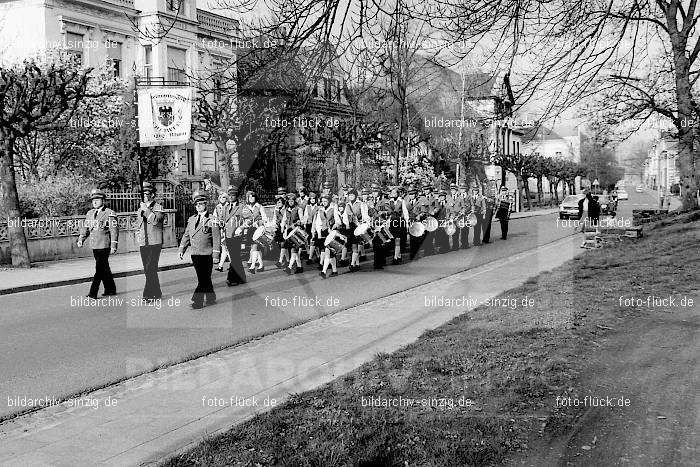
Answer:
(79, 280)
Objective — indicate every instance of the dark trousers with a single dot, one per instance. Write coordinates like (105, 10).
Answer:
(463, 234)
(149, 257)
(504, 228)
(488, 218)
(429, 243)
(477, 228)
(442, 241)
(236, 273)
(102, 273)
(203, 265)
(379, 252)
(414, 246)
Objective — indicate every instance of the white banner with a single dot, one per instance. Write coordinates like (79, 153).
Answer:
(165, 116)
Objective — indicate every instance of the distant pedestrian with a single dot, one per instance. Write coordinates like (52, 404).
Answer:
(103, 229)
(594, 211)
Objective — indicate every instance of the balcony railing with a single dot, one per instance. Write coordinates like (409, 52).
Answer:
(216, 23)
(126, 3)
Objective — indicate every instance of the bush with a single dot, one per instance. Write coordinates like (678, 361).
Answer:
(54, 196)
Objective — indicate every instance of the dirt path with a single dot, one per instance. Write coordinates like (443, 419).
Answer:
(652, 359)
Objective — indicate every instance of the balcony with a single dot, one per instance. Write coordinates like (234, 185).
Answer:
(214, 23)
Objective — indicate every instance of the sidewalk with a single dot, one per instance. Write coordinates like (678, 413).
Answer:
(73, 271)
(151, 417)
(674, 202)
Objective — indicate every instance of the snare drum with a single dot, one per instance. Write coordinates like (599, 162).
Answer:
(298, 237)
(335, 241)
(262, 237)
(364, 233)
(431, 224)
(417, 229)
(383, 233)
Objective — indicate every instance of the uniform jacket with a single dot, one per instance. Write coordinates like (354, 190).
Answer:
(310, 212)
(478, 205)
(149, 223)
(202, 236)
(325, 219)
(102, 227)
(440, 210)
(291, 217)
(455, 206)
(253, 214)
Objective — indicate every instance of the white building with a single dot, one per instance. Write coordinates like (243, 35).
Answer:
(125, 34)
(661, 166)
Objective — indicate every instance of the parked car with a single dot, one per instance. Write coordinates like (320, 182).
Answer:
(622, 194)
(568, 209)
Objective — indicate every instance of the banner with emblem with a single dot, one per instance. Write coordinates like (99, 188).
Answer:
(165, 115)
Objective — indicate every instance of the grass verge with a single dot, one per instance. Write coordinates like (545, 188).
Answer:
(505, 366)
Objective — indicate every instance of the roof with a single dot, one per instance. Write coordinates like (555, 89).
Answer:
(541, 133)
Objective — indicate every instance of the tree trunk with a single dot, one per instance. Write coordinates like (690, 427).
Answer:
(224, 163)
(503, 176)
(10, 203)
(539, 191)
(527, 193)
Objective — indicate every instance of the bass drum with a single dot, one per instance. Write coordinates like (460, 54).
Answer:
(417, 229)
(431, 224)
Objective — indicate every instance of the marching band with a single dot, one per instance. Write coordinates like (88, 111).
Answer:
(329, 230)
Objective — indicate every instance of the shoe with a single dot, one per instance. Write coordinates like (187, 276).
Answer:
(279, 265)
(91, 296)
(396, 261)
(197, 306)
(232, 284)
(334, 273)
(503, 238)
(220, 269)
(298, 270)
(251, 270)
(322, 274)
(320, 267)
(287, 270)
(107, 294)
(262, 269)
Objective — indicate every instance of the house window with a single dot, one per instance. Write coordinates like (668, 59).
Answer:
(190, 161)
(314, 89)
(327, 89)
(338, 90)
(114, 57)
(148, 61)
(74, 46)
(216, 161)
(176, 65)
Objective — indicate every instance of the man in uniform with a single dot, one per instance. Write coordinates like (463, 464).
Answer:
(490, 202)
(232, 227)
(504, 202)
(442, 240)
(465, 209)
(149, 222)
(202, 234)
(103, 229)
(454, 211)
(379, 213)
(478, 207)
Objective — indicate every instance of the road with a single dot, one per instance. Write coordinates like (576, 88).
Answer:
(55, 348)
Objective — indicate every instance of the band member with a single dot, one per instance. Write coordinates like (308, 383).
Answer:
(102, 227)
(365, 202)
(398, 221)
(503, 210)
(454, 213)
(414, 214)
(254, 216)
(202, 234)
(326, 218)
(292, 218)
(379, 211)
(442, 241)
(302, 198)
(345, 225)
(232, 221)
(354, 213)
(277, 215)
(309, 216)
(427, 207)
(478, 207)
(465, 209)
(219, 213)
(490, 202)
(149, 236)
(326, 189)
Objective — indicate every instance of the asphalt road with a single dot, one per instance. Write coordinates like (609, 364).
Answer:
(53, 347)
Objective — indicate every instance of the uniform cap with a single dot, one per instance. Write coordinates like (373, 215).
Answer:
(453, 186)
(312, 194)
(148, 187)
(97, 193)
(326, 184)
(291, 196)
(232, 189)
(442, 193)
(281, 190)
(394, 193)
(365, 191)
(375, 187)
(198, 196)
